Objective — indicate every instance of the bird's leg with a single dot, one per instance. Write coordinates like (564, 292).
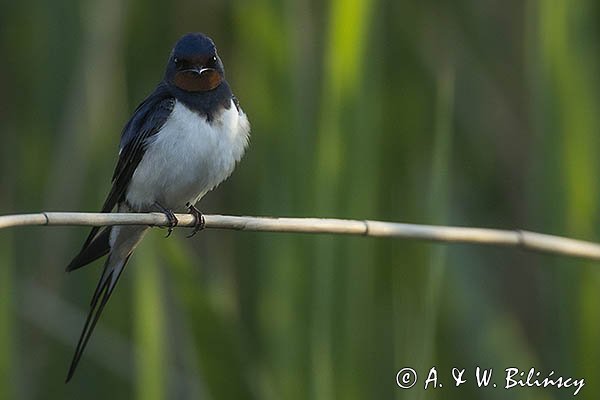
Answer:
(173, 221)
(200, 222)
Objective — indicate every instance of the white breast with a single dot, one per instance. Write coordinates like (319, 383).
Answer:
(188, 157)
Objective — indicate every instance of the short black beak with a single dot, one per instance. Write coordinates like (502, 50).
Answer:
(197, 69)
(196, 78)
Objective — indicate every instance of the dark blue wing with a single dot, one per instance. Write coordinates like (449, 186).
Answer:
(148, 118)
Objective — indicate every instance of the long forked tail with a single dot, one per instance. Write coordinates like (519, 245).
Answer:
(124, 240)
(103, 291)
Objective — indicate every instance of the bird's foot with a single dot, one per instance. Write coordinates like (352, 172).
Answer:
(173, 221)
(200, 222)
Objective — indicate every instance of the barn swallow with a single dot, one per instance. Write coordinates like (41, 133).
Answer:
(181, 142)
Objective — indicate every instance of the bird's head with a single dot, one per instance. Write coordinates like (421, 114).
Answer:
(194, 65)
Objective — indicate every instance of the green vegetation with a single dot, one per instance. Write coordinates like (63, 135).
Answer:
(451, 112)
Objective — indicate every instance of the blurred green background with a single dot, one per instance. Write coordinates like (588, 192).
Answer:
(475, 113)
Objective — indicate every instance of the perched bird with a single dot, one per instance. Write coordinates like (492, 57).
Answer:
(182, 141)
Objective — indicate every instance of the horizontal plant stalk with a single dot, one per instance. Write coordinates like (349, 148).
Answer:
(447, 234)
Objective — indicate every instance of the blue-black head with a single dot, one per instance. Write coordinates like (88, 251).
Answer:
(194, 65)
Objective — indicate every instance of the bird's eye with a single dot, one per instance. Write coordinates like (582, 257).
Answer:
(176, 60)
